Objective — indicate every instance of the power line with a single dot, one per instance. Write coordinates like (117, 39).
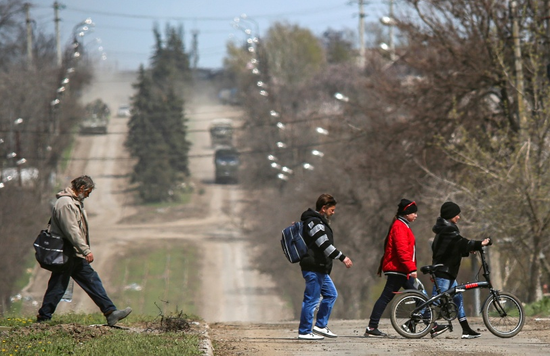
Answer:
(146, 17)
(304, 12)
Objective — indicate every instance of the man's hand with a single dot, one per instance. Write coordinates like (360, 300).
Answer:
(90, 257)
(347, 262)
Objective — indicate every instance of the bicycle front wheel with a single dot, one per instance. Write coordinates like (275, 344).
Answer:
(408, 322)
(503, 315)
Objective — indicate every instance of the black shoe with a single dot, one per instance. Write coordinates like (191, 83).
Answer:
(374, 332)
(438, 330)
(118, 315)
(42, 319)
(470, 334)
(409, 327)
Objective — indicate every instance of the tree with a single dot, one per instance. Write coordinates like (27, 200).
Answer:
(483, 93)
(294, 54)
(170, 62)
(145, 141)
(27, 91)
(175, 133)
(157, 135)
(339, 46)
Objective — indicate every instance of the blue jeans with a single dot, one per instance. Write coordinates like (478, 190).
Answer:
(393, 284)
(317, 284)
(84, 275)
(446, 284)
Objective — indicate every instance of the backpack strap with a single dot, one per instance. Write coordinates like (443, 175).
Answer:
(305, 223)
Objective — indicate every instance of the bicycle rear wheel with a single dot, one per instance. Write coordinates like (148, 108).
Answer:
(503, 315)
(405, 320)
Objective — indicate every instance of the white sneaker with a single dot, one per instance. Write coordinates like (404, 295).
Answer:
(310, 336)
(324, 331)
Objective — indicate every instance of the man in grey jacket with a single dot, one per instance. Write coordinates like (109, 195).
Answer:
(69, 221)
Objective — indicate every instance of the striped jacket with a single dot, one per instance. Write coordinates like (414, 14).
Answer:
(319, 238)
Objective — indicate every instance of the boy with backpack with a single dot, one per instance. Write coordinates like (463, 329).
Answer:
(316, 266)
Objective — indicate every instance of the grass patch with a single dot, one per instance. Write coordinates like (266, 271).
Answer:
(168, 211)
(72, 334)
(158, 278)
(66, 154)
(180, 197)
(539, 308)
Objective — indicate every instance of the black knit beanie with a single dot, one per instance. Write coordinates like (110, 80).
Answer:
(449, 210)
(406, 207)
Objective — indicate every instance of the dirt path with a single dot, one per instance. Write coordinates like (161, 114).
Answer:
(279, 339)
(231, 290)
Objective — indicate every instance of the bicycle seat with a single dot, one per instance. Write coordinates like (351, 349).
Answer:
(431, 268)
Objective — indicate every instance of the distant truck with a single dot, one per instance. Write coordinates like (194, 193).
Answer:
(96, 118)
(226, 162)
(221, 132)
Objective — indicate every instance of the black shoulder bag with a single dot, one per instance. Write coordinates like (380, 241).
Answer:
(51, 251)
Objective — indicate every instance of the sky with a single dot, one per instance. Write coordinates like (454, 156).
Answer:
(123, 29)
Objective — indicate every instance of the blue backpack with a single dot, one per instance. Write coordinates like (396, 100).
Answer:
(292, 242)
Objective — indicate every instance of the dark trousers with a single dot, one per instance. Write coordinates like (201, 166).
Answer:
(393, 284)
(84, 275)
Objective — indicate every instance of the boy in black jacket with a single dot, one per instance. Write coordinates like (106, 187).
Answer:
(448, 248)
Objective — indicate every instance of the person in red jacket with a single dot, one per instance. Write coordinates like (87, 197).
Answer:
(398, 262)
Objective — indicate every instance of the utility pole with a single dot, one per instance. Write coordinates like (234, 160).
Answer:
(195, 49)
(522, 119)
(547, 21)
(27, 7)
(57, 33)
(361, 34)
(392, 44)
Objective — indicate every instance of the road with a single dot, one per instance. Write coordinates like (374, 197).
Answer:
(280, 339)
(231, 289)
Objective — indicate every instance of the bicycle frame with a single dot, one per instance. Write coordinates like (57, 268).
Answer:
(451, 292)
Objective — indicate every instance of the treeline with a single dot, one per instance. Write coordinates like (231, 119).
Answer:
(157, 136)
(38, 107)
(453, 114)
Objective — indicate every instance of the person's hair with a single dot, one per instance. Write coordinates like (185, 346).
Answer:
(82, 181)
(324, 199)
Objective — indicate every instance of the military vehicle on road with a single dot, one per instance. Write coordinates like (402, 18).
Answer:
(221, 132)
(226, 161)
(96, 118)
